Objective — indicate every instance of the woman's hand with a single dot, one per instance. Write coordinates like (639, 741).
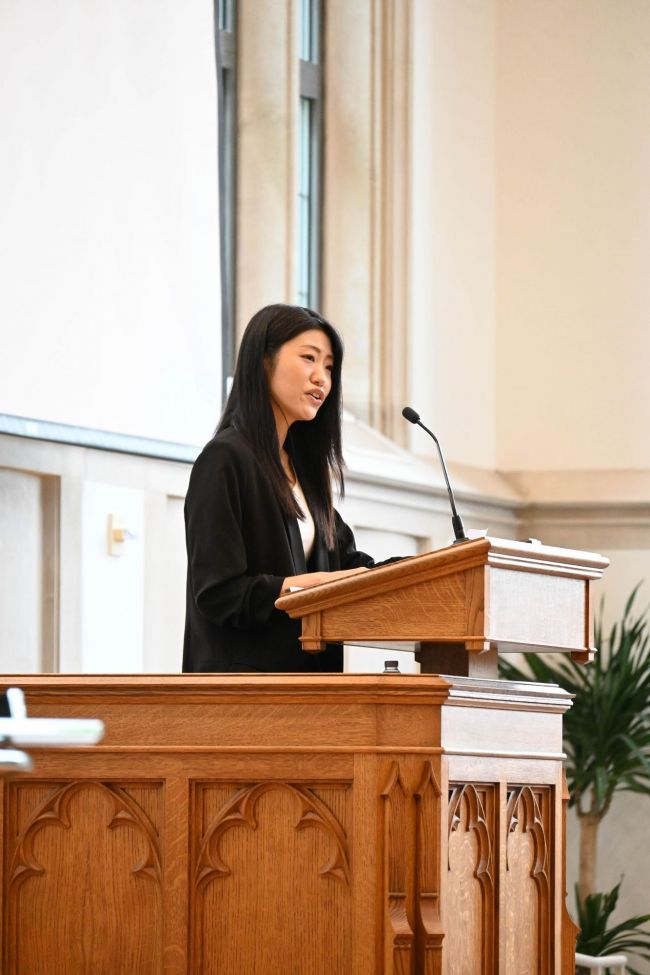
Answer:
(318, 578)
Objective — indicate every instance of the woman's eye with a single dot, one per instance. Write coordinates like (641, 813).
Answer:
(310, 358)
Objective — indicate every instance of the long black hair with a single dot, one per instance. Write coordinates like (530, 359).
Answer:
(314, 446)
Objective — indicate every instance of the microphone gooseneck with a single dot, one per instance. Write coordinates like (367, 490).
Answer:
(457, 524)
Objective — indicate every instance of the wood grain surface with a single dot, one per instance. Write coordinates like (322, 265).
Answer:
(284, 825)
(484, 595)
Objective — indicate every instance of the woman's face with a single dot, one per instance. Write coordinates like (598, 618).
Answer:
(300, 378)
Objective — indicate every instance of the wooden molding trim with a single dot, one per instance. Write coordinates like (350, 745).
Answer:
(390, 308)
(240, 811)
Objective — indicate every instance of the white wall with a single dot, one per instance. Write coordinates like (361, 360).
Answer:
(112, 579)
(573, 234)
(67, 603)
(21, 556)
(109, 257)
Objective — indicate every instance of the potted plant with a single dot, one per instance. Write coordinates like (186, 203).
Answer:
(598, 937)
(607, 744)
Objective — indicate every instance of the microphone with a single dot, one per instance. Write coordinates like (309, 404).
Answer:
(457, 524)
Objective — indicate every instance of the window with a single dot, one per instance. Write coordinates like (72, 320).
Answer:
(310, 139)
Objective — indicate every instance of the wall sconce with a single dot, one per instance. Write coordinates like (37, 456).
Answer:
(118, 534)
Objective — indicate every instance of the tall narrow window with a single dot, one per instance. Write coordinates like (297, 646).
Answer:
(226, 44)
(310, 139)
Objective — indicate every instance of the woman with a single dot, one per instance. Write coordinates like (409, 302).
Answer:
(258, 513)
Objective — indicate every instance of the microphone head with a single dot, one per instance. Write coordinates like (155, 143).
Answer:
(410, 415)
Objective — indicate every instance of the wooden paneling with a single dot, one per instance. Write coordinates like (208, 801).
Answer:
(289, 844)
(470, 907)
(83, 884)
(397, 857)
(287, 825)
(569, 929)
(527, 885)
(427, 873)
(484, 594)
(409, 619)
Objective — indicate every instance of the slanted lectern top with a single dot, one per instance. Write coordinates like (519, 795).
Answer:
(460, 604)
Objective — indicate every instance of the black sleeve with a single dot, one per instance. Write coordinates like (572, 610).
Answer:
(349, 556)
(218, 563)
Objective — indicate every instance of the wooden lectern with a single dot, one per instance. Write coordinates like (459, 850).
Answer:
(315, 824)
(461, 604)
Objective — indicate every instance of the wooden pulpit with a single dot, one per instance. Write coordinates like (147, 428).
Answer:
(460, 605)
(233, 824)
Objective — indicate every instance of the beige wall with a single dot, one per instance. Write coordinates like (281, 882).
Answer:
(452, 349)
(530, 230)
(573, 234)
(530, 226)
(266, 146)
(348, 207)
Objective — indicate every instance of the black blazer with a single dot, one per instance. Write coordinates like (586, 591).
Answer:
(240, 548)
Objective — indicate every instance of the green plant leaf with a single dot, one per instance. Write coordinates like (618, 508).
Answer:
(607, 729)
(596, 938)
(607, 744)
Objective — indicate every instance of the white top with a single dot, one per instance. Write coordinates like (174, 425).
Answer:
(307, 527)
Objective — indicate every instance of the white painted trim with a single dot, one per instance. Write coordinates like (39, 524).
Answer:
(600, 963)
(121, 443)
(615, 509)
